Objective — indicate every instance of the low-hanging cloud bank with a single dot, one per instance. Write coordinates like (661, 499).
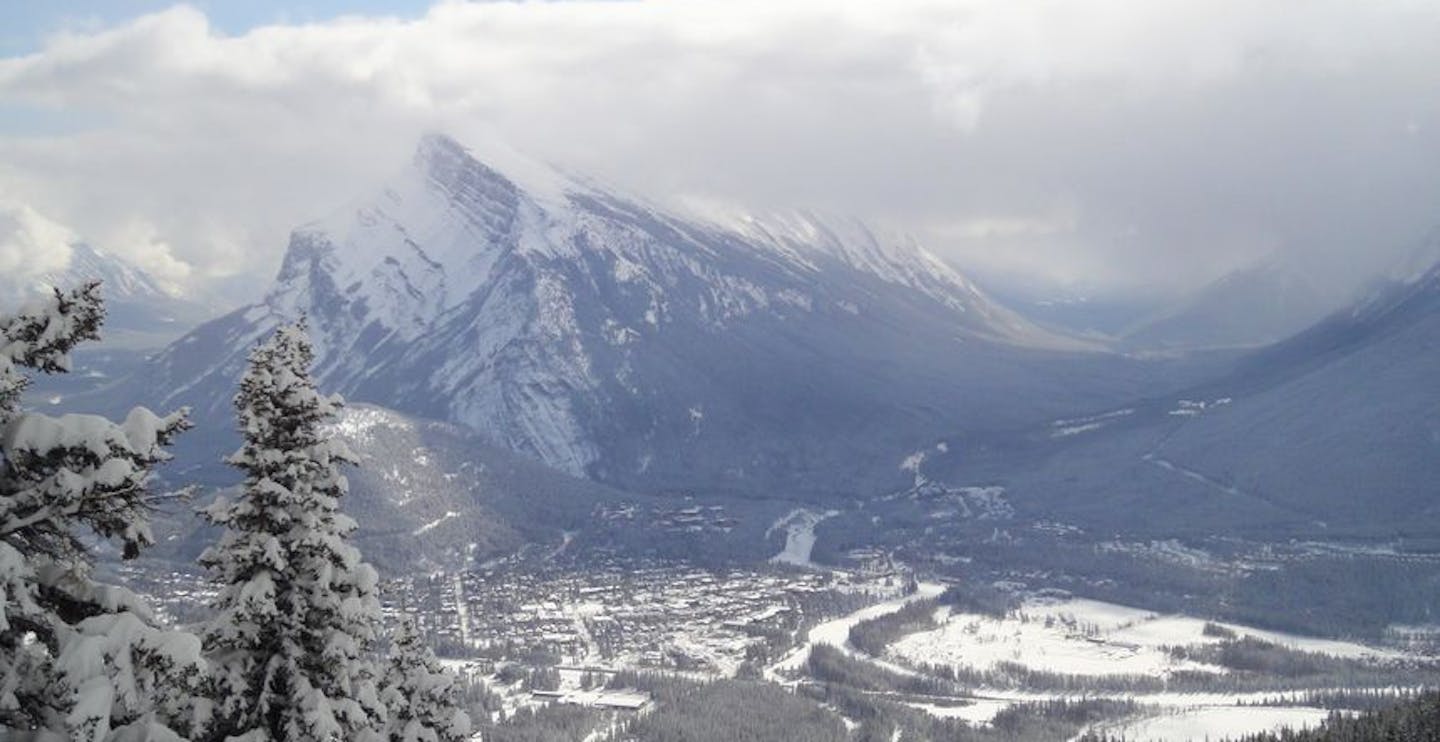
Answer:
(1112, 143)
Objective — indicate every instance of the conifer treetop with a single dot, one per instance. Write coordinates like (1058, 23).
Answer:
(297, 611)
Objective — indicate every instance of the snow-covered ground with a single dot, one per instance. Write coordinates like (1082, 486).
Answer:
(1094, 638)
(1068, 635)
(1088, 637)
(1218, 722)
(461, 608)
(977, 711)
(1076, 426)
(1038, 643)
(836, 632)
(799, 528)
(1084, 637)
(422, 530)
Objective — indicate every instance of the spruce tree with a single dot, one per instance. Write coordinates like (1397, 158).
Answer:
(297, 611)
(422, 698)
(79, 660)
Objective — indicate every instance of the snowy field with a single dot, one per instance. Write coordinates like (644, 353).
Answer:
(978, 711)
(1217, 722)
(1093, 638)
(799, 526)
(836, 633)
(1083, 637)
(1087, 637)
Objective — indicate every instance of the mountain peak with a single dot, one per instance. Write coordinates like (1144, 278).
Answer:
(448, 164)
(435, 145)
(489, 167)
(122, 277)
(587, 330)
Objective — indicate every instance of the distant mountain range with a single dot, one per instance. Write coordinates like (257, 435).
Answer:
(613, 340)
(1331, 433)
(141, 312)
(1244, 309)
(1248, 308)
(525, 345)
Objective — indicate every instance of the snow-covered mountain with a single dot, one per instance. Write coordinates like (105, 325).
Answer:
(1332, 433)
(1338, 423)
(123, 282)
(613, 339)
(141, 311)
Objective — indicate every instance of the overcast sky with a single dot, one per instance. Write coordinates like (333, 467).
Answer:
(1110, 144)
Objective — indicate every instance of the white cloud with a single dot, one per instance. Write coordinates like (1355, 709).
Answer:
(30, 244)
(143, 244)
(1172, 137)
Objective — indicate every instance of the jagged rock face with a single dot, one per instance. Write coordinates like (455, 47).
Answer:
(611, 339)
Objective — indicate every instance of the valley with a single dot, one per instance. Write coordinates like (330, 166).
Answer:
(572, 625)
(717, 371)
(972, 667)
(623, 463)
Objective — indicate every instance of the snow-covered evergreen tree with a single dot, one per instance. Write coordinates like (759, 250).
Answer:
(297, 612)
(79, 660)
(422, 698)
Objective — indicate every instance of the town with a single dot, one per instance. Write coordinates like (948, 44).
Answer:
(609, 615)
